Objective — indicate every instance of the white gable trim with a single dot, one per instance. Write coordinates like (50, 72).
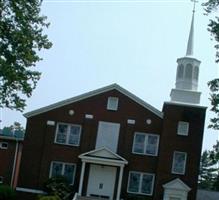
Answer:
(177, 184)
(93, 93)
(176, 189)
(115, 160)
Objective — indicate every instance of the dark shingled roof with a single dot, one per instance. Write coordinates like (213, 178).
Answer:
(207, 195)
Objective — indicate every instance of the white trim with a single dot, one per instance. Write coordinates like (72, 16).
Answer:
(184, 104)
(68, 134)
(14, 164)
(63, 169)
(29, 190)
(93, 93)
(130, 121)
(104, 161)
(1, 179)
(146, 143)
(140, 182)
(173, 161)
(89, 116)
(85, 155)
(1, 145)
(50, 123)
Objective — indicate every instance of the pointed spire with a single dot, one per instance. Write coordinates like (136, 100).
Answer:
(190, 45)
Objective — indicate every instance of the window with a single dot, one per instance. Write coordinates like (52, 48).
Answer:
(1, 179)
(3, 145)
(179, 162)
(196, 71)
(183, 128)
(112, 103)
(68, 134)
(63, 169)
(188, 71)
(146, 144)
(180, 71)
(141, 183)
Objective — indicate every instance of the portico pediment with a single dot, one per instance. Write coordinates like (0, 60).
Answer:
(103, 154)
(177, 184)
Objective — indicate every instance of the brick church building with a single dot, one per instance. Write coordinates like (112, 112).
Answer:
(110, 144)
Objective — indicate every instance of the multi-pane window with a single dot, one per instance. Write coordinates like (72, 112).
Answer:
(145, 144)
(63, 169)
(68, 134)
(141, 183)
(183, 128)
(112, 103)
(179, 162)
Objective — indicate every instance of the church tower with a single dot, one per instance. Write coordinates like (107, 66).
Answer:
(182, 131)
(186, 86)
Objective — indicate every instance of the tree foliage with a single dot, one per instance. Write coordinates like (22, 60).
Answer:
(208, 171)
(211, 6)
(58, 186)
(15, 130)
(21, 39)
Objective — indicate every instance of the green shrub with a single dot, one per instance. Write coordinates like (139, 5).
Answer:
(49, 198)
(58, 186)
(7, 193)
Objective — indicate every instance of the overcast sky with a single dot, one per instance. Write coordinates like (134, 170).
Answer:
(132, 43)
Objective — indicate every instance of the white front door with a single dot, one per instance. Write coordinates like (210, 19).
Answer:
(101, 181)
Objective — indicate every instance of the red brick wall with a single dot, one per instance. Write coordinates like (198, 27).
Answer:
(171, 142)
(39, 148)
(7, 160)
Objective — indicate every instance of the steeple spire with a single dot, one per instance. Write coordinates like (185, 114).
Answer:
(186, 87)
(190, 44)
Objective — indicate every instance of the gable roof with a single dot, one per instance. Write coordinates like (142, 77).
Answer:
(177, 184)
(91, 94)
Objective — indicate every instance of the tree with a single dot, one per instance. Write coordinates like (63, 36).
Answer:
(208, 171)
(15, 130)
(21, 38)
(211, 6)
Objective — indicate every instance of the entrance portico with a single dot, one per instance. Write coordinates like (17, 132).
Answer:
(102, 173)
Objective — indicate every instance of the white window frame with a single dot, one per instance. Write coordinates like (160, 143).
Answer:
(1, 179)
(1, 145)
(68, 134)
(140, 183)
(145, 143)
(173, 163)
(63, 169)
(183, 123)
(111, 107)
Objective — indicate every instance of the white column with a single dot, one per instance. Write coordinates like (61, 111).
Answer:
(119, 183)
(81, 178)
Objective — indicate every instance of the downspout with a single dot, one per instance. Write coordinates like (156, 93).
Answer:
(14, 164)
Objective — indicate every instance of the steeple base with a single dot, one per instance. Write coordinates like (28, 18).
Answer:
(185, 96)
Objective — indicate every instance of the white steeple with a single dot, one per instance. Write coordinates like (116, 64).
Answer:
(186, 86)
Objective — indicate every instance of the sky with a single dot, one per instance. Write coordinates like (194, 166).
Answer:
(134, 43)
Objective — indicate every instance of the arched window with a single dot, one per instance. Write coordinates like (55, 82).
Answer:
(180, 71)
(188, 71)
(196, 71)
